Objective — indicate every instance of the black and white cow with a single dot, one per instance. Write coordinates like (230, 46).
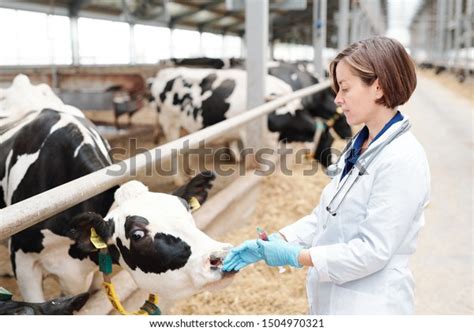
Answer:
(205, 62)
(44, 143)
(318, 107)
(178, 92)
(193, 99)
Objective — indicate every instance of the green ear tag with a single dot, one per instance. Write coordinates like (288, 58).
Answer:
(4, 294)
(105, 263)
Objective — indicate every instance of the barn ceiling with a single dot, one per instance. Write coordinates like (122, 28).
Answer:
(203, 15)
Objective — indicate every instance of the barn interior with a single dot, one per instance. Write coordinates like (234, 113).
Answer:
(134, 39)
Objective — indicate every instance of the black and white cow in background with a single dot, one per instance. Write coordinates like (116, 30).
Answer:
(193, 99)
(317, 108)
(204, 62)
(184, 95)
(153, 236)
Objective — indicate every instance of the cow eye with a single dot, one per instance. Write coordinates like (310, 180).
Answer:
(138, 234)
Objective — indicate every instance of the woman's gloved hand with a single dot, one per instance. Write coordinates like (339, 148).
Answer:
(279, 253)
(243, 255)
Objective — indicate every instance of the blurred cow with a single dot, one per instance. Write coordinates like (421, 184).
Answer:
(204, 62)
(59, 306)
(184, 95)
(193, 99)
(317, 107)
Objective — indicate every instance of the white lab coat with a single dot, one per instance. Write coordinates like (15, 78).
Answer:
(360, 256)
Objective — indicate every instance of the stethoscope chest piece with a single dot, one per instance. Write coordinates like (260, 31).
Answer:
(332, 170)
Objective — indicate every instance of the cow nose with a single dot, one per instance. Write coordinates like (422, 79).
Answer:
(215, 261)
(216, 258)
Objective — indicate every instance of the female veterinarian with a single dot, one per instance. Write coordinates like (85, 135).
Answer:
(358, 240)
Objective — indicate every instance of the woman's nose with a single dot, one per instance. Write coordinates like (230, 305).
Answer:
(338, 99)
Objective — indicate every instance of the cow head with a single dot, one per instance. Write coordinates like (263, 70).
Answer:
(154, 237)
(323, 106)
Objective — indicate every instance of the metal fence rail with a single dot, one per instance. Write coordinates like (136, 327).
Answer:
(31, 211)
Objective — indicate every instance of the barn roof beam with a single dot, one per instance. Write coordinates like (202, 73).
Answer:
(205, 24)
(196, 8)
(236, 27)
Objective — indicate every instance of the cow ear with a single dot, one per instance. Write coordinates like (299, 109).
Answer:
(80, 230)
(198, 187)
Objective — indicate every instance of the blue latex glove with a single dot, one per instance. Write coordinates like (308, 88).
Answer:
(280, 253)
(241, 256)
(275, 236)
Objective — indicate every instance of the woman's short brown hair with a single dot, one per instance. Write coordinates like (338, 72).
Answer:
(382, 58)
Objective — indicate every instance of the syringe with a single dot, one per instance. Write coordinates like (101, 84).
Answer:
(262, 234)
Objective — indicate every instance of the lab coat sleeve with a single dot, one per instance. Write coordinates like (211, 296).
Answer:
(398, 194)
(302, 231)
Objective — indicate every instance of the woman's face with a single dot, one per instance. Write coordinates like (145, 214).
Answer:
(356, 99)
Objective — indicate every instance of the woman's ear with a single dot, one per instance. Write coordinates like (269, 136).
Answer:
(378, 92)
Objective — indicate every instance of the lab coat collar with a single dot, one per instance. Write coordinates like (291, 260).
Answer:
(354, 152)
(362, 160)
(384, 134)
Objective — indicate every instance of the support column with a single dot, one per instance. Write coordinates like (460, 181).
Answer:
(355, 25)
(342, 38)
(457, 30)
(440, 30)
(449, 34)
(319, 35)
(201, 48)
(256, 35)
(270, 38)
(132, 46)
(468, 32)
(362, 26)
(73, 21)
(171, 43)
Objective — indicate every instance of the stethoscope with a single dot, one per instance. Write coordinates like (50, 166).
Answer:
(362, 164)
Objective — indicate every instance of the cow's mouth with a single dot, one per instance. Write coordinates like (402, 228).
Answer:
(216, 261)
(218, 277)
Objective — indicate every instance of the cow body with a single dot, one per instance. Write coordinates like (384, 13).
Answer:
(292, 126)
(318, 107)
(152, 235)
(192, 99)
(205, 62)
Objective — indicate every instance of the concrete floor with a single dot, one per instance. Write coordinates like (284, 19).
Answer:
(443, 265)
